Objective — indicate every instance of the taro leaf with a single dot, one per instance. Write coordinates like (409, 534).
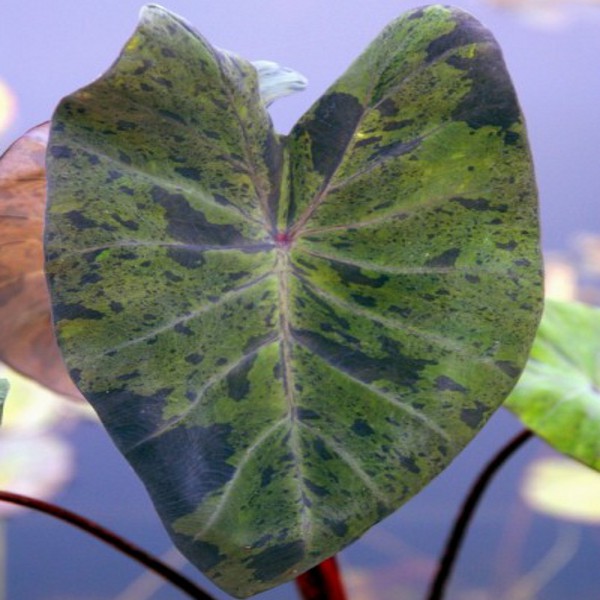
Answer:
(289, 337)
(558, 395)
(27, 342)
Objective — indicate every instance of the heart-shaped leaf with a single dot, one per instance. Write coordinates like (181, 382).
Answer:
(27, 343)
(558, 395)
(289, 337)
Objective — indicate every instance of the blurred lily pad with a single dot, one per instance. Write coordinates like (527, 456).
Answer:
(564, 489)
(3, 393)
(36, 465)
(31, 408)
(558, 395)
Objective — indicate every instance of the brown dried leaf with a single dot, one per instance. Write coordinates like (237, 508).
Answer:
(27, 341)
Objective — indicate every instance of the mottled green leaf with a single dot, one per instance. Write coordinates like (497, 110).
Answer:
(558, 395)
(289, 337)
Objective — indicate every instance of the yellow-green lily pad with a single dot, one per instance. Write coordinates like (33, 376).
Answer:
(558, 395)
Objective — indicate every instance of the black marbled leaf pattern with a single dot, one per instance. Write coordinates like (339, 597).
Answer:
(289, 336)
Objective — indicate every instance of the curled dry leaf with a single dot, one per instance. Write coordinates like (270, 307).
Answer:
(27, 342)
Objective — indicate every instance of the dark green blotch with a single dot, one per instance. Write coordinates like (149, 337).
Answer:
(444, 383)
(511, 138)
(473, 417)
(331, 129)
(306, 414)
(445, 259)
(171, 116)
(189, 173)
(79, 220)
(321, 449)
(362, 428)
(395, 125)
(408, 462)
(238, 275)
(75, 375)
(266, 475)
(466, 31)
(61, 152)
(475, 203)
(257, 341)
(388, 108)
(128, 224)
(127, 190)
(124, 158)
(222, 200)
(186, 257)
(331, 313)
(238, 384)
(367, 141)
(133, 416)
(276, 560)
(316, 489)
(190, 481)
(522, 262)
(339, 528)
(507, 246)
(145, 66)
(170, 276)
(183, 329)
(508, 367)
(206, 555)
(396, 367)
(400, 310)
(113, 175)
(126, 125)
(327, 327)
(69, 312)
(352, 274)
(306, 264)
(194, 359)
(397, 149)
(128, 376)
(191, 226)
(116, 307)
(366, 301)
(491, 99)
(166, 83)
(416, 14)
(90, 277)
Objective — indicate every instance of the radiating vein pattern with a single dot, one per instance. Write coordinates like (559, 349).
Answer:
(288, 337)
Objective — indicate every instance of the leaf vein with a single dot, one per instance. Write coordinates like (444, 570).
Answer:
(350, 460)
(427, 422)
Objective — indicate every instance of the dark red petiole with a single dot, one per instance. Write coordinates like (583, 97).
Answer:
(322, 582)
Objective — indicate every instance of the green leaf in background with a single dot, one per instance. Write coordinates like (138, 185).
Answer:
(288, 337)
(3, 393)
(558, 395)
